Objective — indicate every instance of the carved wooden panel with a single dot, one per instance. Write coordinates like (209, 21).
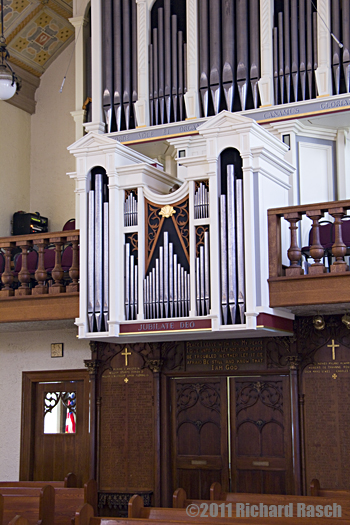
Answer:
(199, 411)
(260, 429)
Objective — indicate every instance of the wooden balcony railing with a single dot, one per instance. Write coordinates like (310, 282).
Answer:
(36, 284)
(291, 286)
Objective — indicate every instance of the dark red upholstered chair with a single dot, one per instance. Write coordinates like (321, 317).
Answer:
(69, 225)
(345, 230)
(67, 258)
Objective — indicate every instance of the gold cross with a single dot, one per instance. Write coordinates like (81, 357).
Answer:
(333, 346)
(126, 353)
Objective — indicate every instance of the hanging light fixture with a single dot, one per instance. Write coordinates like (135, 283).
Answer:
(9, 82)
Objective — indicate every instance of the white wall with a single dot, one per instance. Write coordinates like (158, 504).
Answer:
(29, 351)
(52, 131)
(14, 164)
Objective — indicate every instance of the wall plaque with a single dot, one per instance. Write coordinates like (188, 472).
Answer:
(127, 425)
(225, 356)
(327, 418)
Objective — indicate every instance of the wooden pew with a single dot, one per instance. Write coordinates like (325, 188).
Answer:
(68, 501)
(85, 516)
(316, 490)
(37, 506)
(137, 510)
(69, 481)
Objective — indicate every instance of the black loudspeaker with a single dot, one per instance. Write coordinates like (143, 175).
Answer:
(27, 223)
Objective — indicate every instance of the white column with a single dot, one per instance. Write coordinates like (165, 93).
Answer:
(78, 115)
(81, 191)
(266, 54)
(116, 253)
(324, 71)
(249, 241)
(142, 104)
(192, 94)
(342, 170)
(96, 123)
(214, 244)
(141, 248)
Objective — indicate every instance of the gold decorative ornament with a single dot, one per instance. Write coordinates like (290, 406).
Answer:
(167, 211)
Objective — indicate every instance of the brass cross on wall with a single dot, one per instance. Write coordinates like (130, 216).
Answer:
(333, 346)
(126, 353)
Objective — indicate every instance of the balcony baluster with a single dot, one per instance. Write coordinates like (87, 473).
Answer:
(339, 247)
(7, 276)
(57, 272)
(294, 252)
(74, 269)
(41, 273)
(24, 274)
(316, 249)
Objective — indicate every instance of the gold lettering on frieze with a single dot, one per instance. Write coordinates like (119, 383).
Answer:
(224, 355)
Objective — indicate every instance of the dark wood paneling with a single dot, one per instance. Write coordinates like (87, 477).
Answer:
(261, 435)
(199, 431)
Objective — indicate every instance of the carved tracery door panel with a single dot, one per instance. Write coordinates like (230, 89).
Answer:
(261, 435)
(243, 423)
(199, 412)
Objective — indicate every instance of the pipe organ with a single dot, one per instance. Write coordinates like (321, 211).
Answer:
(232, 250)
(167, 61)
(294, 51)
(167, 285)
(341, 55)
(167, 253)
(237, 52)
(119, 63)
(229, 55)
(98, 255)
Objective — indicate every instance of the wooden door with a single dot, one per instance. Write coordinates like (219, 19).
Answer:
(199, 422)
(50, 454)
(261, 435)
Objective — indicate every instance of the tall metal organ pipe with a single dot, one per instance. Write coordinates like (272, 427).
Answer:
(98, 260)
(232, 251)
(168, 62)
(119, 63)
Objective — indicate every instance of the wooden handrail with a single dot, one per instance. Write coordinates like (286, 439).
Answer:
(4, 241)
(323, 206)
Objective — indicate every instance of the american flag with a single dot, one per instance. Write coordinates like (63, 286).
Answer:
(70, 417)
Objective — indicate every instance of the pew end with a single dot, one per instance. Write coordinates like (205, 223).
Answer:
(84, 514)
(70, 481)
(47, 505)
(315, 487)
(135, 506)
(179, 498)
(216, 491)
(19, 520)
(91, 495)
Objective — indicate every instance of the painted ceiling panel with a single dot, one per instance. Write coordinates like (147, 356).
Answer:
(37, 31)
